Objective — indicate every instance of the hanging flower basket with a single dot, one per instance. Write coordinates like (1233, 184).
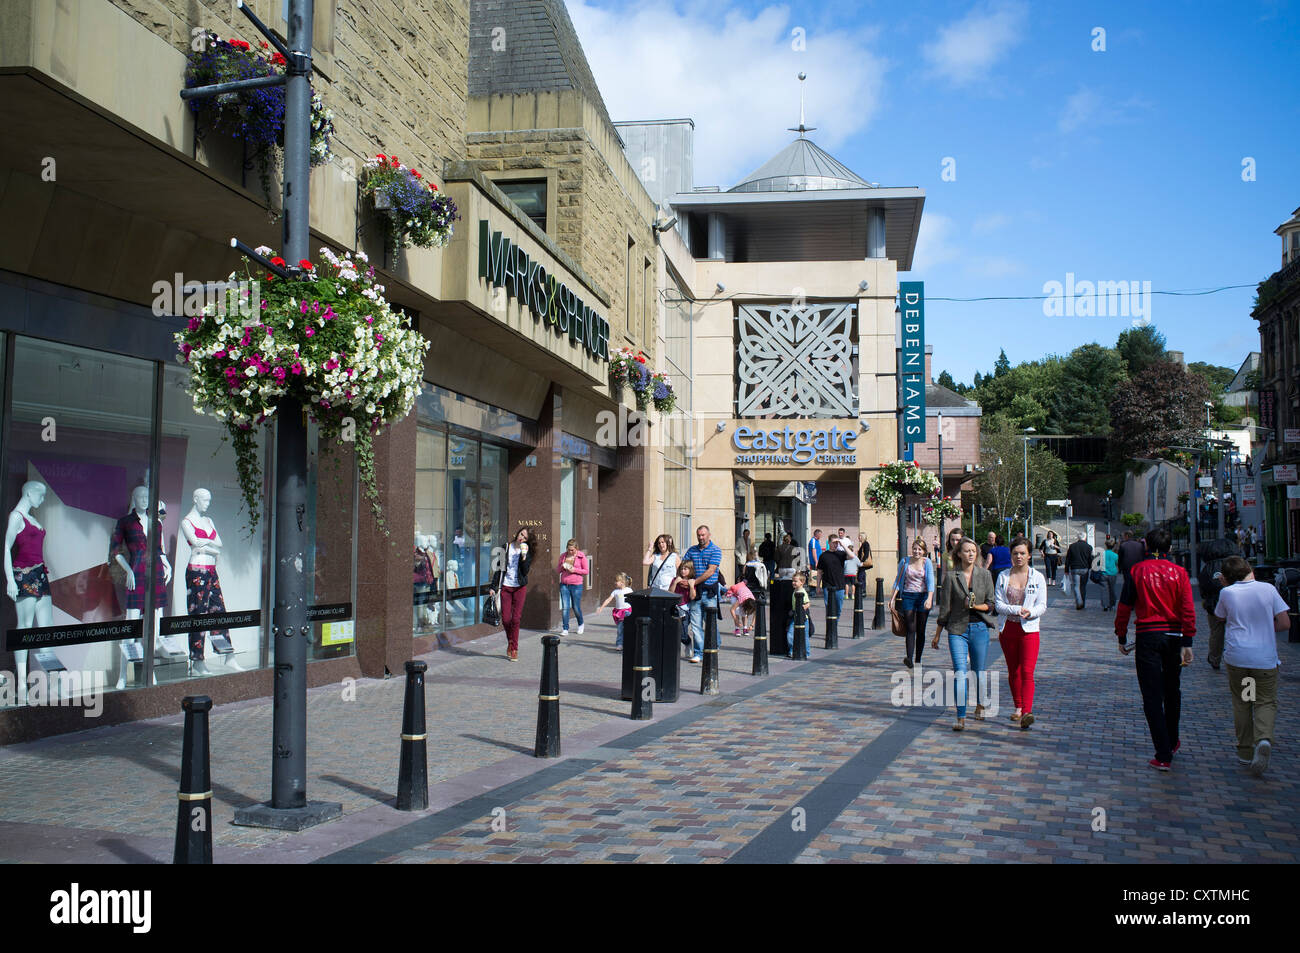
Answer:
(662, 393)
(415, 212)
(936, 511)
(254, 115)
(329, 342)
(895, 480)
(621, 365)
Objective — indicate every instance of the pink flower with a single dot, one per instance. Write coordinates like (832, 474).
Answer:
(370, 319)
(303, 307)
(310, 331)
(329, 313)
(263, 305)
(278, 374)
(315, 307)
(193, 324)
(379, 339)
(297, 368)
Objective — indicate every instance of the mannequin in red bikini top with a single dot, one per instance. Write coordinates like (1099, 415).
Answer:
(24, 541)
(201, 533)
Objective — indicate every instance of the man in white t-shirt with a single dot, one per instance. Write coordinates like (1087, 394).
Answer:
(1253, 614)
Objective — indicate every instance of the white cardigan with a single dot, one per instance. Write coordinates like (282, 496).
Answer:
(1035, 600)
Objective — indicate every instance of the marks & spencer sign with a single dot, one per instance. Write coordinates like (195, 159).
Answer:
(507, 266)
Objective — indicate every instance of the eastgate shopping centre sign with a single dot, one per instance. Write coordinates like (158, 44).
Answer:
(506, 265)
(832, 445)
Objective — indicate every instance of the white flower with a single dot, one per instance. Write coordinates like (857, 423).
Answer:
(261, 250)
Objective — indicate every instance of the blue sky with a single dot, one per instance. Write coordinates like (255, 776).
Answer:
(1125, 164)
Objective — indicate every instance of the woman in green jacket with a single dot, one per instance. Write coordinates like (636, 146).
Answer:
(966, 611)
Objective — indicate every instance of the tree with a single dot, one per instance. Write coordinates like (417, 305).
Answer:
(1002, 484)
(1001, 365)
(978, 380)
(1216, 376)
(945, 380)
(1089, 379)
(1162, 406)
(1140, 348)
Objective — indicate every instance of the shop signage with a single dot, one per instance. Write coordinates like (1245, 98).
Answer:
(1267, 407)
(1290, 435)
(330, 611)
(912, 383)
(1284, 473)
(1205, 481)
(795, 446)
(337, 633)
(73, 634)
(506, 265)
(1293, 491)
(177, 624)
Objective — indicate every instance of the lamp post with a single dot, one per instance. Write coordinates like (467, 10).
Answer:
(1029, 504)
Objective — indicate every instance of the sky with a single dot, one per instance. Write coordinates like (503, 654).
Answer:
(1168, 157)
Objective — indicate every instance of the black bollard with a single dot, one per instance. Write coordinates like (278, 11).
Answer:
(832, 629)
(709, 670)
(760, 635)
(858, 621)
(878, 620)
(413, 768)
(643, 687)
(194, 813)
(548, 700)
(799, 651)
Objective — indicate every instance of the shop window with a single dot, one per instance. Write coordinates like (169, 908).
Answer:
(465, 553)
(429, 556)
(529, 195)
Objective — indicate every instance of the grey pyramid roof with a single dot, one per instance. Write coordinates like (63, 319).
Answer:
(802, 166)
(542, 51)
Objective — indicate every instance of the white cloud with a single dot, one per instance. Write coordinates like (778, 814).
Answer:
(733, 72)
(1086, 108)
(966, 51)
(1080, 109)
(936, 243)
(990, 223)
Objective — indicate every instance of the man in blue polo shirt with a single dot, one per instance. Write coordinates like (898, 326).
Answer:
(706, 557)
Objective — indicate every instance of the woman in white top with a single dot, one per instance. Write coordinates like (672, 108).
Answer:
(662, 559)
(1253, 615)
(1020, 598)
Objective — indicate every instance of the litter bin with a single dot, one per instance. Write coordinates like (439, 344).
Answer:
(660, 606)
(779, 616)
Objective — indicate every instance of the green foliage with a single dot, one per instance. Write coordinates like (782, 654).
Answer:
(1132, 520)
(945, 380)
(1216, 376)
(1162, 406)
(1001, 365)
(1057, 394)
(1002, 484)
(1140, 348)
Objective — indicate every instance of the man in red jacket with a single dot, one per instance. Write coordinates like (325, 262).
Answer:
(1160, 594)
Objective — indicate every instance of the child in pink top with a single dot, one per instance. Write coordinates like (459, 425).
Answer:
(742, 611)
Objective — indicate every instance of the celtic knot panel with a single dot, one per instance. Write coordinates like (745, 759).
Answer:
(796, 361)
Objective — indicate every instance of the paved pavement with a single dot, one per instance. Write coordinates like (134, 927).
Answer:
(814, 764)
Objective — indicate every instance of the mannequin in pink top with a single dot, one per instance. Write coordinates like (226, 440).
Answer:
(202, 587)
(25, 572)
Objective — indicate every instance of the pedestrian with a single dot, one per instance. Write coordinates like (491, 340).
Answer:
(1110, 574)
(767, 553)
(1051, 549)
(948, 558)
(742, 608)
(1131, 552)
(864, 560)
(662, 559)
(511, 581)
(816, 546)
(755, 573)
(706, 557)
(684, 587)
(1078, 564)
(743, 546)
(785, 556)
(573, 571)
(966, 611)
(1020, 597)
(1210, 578)
(831, 570)
(851, 566)
(800, 595)
(622, 589)
(1253, 614)
(914, 581)
(998, 558)
(1159, 593)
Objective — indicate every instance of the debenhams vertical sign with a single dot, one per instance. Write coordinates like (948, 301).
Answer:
(506, 265)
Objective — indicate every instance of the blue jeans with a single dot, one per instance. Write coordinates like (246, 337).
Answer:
(807, 635)
(618, 643)
(972, 644)
(570, 596)
(697, 619)
(834, 603)
(1079, 580)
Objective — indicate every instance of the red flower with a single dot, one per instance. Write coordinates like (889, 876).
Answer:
(306, 263)
(277, 260)
(381, 157)
(239, 44)
(640, 359)
(393, 160)
(416, 173)
(277, 59)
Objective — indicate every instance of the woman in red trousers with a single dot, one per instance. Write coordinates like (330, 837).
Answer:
(512, 581)
(1020, 599)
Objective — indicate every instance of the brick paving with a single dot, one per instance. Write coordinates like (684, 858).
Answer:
(813, 765)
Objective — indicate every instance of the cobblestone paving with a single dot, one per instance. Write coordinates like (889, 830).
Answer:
(991, 793)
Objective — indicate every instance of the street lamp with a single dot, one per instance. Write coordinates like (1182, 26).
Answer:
(1029, 504)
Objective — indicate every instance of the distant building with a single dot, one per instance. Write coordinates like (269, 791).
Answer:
(1240, 393)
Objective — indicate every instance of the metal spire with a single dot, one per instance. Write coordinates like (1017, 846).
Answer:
(801, 128)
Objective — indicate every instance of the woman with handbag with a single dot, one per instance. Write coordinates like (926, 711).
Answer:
(662, 559)
(914, 581)
(1020, 597)
(966, 611)
(511, 580)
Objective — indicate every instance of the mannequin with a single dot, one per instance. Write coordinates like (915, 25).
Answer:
(434, 608)
(29, 582)
(422, 581)
(202, 587)
(128, 549)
